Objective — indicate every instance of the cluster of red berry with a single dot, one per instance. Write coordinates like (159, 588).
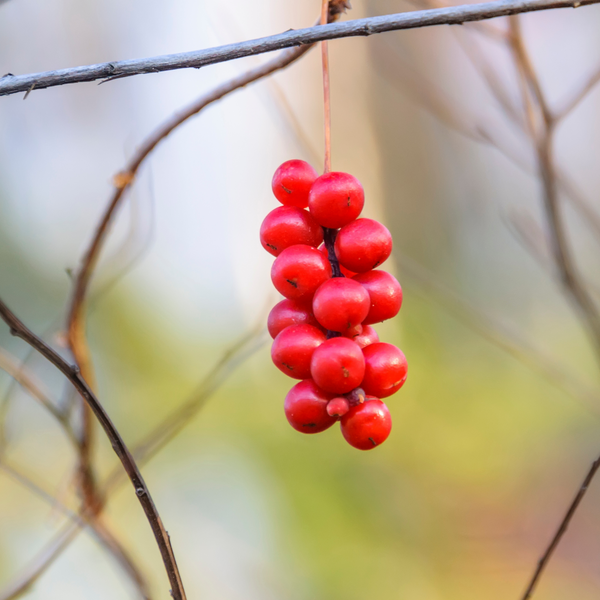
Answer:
(322, 330)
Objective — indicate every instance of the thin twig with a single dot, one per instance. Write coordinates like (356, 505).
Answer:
(45, 558)
(454, 15)
(542, 131)
(564, 524)
(160, 436)
(19, 329)
(542, 124)
(100, 530)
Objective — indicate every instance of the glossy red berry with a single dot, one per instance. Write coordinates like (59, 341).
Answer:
(385, 369)
(335, 199)
(299, 270)
(367, 336)
(292, 182)
(363, 245)
(367, 425)
(293, 348)
(340, 304)
(290, 312)
(306, 408)
(338, 365)
(385, 294)
(338, 407)
(287, 226)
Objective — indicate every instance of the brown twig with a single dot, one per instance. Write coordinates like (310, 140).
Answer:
(162, 434)
(562, 528)
(542, 126)
(72, 373)
(100, 530)
(542, 122)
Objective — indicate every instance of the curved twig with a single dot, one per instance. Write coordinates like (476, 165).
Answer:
(19, 329)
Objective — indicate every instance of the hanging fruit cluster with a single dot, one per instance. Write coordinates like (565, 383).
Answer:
(325, 267)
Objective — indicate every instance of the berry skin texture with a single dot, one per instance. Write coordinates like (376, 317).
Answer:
(338, 407)
(363, 245)
(367, 336)
(335, 199)
(298, 271)
(338, 365)
(385, 294)
(292, 182)
(385, 369)
(367, 425)
(341, 304)
(306, 408)
(290, 312)
(293, 348)
(287, 226)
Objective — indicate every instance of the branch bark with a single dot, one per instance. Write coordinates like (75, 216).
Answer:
(456, 15)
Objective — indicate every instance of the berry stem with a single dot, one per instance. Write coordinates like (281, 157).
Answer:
(329, 236)
(326, 95)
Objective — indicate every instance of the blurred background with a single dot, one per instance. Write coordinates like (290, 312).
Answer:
(499, 419)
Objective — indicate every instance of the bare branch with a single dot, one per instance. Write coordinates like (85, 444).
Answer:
(19, 329)
(456, 15)
(562, 528)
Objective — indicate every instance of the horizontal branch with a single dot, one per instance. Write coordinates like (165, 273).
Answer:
(455, 15)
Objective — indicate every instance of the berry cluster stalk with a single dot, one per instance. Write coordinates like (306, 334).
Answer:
(326, 95)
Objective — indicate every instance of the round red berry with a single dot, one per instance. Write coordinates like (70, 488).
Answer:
(385, 369)
(385, 294)
(293, 348)
(340, 304)
(290, 312)
(367, 425)
(299, 270)
(292, 182)
(335, 199)
(338, 365)
(306, 408)
(362, 245)
(287, 226)
(367, 336)
(338, 407)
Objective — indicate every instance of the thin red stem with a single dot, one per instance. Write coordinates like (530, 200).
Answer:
(326, 95)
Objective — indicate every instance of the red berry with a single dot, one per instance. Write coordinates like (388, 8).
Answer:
(335, 199)
(306, 408)
(287, 226)
(338, 365)
(385, 294)
(345, 272)
(362, 245)
(290, 312)
(367, 425)
(292, 182)
(340, 304)
(353, 332)
(293, 348)
(299, 270)
(385, 369)
(338, 407)
(366, 337)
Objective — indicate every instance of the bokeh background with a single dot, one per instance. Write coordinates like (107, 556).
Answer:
(499, 419)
